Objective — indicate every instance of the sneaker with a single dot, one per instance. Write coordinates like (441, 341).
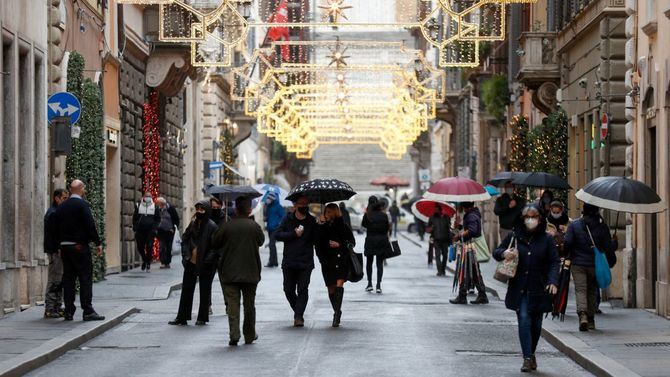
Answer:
(177, 322)
(368, 288)
(52, 314)
(148, 267)
(94, 317)
(527, 366)
(250, 341)
(378, 290)
(299, 322)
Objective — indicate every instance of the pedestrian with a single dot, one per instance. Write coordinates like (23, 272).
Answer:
(557, 225)
(583, 234)
(508, 208)
(431, 250)
(218, 215)
(53, 297)
(298, 233)
(529, 293)
(166, 230)
(377, 244)
(346, 216)
(239, 241)
(439, 225)
(394, 211)
(545, 201)
(75, 229)
(420, 227)
(471, 229)
(146, 219)
(334, 241)
(274, 214)
(200, 260)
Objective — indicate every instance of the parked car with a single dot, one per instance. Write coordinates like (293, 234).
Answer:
(356, 220)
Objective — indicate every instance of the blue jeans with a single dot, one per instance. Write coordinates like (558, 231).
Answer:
(530, 328)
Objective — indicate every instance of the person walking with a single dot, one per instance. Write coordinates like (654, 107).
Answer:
(583, 234)
(335, 238)
(529, 293)
(471, 229)
(508, 208)
(557, 225)
(394, 211)
(346, 216)
(239, 268)
(298, 233)
(75, 229)
(274, 214)
(146, 219)
(218, 215)
(166, 230)
(53, 297)
(377, 243)
(440, 229)
(200, 260)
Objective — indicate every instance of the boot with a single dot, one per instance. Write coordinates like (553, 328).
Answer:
(533, 363)
(337, 315)
(481, 299)
(331, 297)
(527, 366)
(592, 322)
(583, 322)
(459, 300)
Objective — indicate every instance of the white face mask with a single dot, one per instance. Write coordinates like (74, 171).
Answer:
(531, 223)
(556, 215)
(147, 200)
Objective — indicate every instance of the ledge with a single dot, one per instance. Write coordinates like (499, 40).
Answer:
(650, 28)
(667, 12)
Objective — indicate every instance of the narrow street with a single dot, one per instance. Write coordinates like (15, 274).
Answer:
(409, 330)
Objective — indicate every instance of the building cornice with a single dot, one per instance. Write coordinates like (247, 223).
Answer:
(586, 19)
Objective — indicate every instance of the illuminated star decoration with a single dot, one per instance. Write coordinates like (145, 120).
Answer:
(334, 10)
(337, 56)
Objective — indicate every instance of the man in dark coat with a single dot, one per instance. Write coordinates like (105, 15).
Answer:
(472, 228)
(200, 259)
(240, 268)
(53, 297)
(75, 229)
(166, 230)
(394, 211)
(145, 225)
(508, 208)
(439, 226)
(346, 217)
(298, 231)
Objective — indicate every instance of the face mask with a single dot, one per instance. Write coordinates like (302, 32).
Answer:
(303, 210)
(556, 215)
(199, 215)
(531, 223)
(147, 200)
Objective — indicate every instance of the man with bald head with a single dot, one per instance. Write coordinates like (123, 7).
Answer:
(74, 229)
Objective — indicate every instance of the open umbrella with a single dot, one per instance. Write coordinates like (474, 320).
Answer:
(492, 190)
(267, 189)
(505, 177)
(423, 209)
(541, 179)
(229, 193)
(457, 189)
(322, 191)
(621, 194)
(560, 303)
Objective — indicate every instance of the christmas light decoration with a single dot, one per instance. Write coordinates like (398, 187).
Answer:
(334, 10)
(151, 162)
(518, 142)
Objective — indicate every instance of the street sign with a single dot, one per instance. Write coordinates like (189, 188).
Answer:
(425, 186)
(215, 165)
(604, 126)
(424, 175)
(64, 104)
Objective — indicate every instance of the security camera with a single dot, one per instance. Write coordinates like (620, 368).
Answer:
(583, 82)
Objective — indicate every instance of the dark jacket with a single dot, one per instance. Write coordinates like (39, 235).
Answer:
(440, 227)
(538, 267)
(394, 211)
(275, 214)
(146, 223)
(378, 227)
(199, 234)
(73, 222)
(336, 231)
(563, 220)
(507, 217)
(238, 241)
(49, 242)
(298, 251)
(346, 216)
(578, 243)
(218, 216)
(174, 216)
(472, 222)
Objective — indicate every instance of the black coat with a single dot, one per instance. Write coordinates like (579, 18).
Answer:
(73, 222)
(334, 262)
(507, 217)
(440, 227)
(200, 234)
(50, 246)
(579, 246)
(538, 267)
(146, 223)
(298, 251)
(378, 229)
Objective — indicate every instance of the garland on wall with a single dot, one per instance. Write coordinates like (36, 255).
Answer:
(549, 148)
(151, 154)
(87, 160)
(518, 155)
(227, 155)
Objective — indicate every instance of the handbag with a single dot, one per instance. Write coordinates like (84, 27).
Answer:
(395, 250)
(602, 267)
(506, 269)
(176, 241)
(355, 266)
(481, 249)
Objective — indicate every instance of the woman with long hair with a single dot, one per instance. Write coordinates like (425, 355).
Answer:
(332, 248)
(377, 242)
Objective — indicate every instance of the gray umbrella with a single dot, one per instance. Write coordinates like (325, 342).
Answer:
(621, 194)
(541, 179)
(229, 193)
(504, 177)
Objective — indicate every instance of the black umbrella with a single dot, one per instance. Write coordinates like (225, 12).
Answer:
(541, 179)
(229, 193)
(560, 303)
(621, 194)
(505, 177)
(322, 191)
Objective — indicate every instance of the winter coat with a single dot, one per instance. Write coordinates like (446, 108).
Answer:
(346, 216)
(218, 216)
(579, 246)
(173, 217)
(334, 262)
(377, 238)
(538, 267)
(50, 246)
(394, 211)
(298, 251)
(199, 233)
(472, 222)
(73, 222)
(146, 218)
(507, 217)
(238, 241)
(275, 214)
(440, 227)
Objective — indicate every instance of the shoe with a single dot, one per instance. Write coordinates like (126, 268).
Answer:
(210, 310)
(336, 318)
(233, 343)
(144, 266)
(247, 341)
(200, 323)
(52, 314)
(598, 311)
(592, 323)
(481, 299)
(583, 322)
(177, 322)
(368, 288)
(68, 317)
(299, 322)
(441, 274)
(527, 366)
(459, 300)
(148, 267)
(94, 317)
(379, 289)
(162, 267)
(533, 363)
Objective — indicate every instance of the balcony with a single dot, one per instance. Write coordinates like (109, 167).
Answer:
(539, 70)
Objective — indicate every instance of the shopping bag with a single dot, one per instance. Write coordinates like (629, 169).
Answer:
(506, 269)
(355, 266)
(481, 249)
(176, 242)
(395, 250)
(602, 267)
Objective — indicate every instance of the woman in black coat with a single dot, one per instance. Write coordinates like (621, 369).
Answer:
(529, 292)
(332, 249)
(377, 242)
(200, 262)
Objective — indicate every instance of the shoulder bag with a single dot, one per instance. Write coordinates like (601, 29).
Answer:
(506, 269)
(602, 267)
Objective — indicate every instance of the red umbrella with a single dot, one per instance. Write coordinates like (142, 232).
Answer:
(390, 181)
(457, 189)
(423, 209)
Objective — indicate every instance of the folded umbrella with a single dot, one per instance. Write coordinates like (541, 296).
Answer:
(423, 209)
(322, 191)
(541, 179)
(457, 190)
(560, 301)
(621, 194)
